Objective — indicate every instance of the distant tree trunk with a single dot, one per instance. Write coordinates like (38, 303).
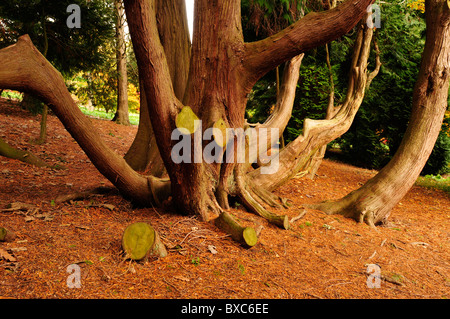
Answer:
(374, 201)
(332, 109)
(121, 116)
(43, 130)
(30, 102)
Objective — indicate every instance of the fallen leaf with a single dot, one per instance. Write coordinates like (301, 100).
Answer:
(181, 278)
(5, 255)
(212, 249)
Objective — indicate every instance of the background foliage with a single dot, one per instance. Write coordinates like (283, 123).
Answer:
(379, 125)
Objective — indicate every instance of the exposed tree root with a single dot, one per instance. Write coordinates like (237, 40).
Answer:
(347, 208)
(252, 201)
(102, 190)
(24, 156)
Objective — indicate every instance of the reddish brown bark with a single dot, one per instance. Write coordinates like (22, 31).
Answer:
(222, 71)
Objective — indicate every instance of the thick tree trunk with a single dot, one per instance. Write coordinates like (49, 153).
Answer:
(121, 116)
(223, 69)
(374, 201)
(143, 154)
(222, 72)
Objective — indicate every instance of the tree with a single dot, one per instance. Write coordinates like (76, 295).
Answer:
(374, 201)
(121, 116)
(222, 71)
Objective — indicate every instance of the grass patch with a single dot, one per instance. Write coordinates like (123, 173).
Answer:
(102, 114)
(435, 181)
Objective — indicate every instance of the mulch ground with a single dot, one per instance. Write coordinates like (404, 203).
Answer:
(321, 256)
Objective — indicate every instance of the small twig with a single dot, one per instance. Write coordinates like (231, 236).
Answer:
(312, 295)
(172, 285)
(194, 231)
(392, 281)
(290, 297)
(293, 219)
(327, 261)
(259, 229)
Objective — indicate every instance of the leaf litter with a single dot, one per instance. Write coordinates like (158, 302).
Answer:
(321, 256)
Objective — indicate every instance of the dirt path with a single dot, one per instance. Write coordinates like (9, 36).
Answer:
(320, 257)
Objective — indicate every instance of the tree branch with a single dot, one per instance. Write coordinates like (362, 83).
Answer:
(282, 110)
(297, 155)
(153, 68)
(311, 31)
(27, 70)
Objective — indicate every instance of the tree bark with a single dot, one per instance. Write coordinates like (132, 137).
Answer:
(121, 116)
(374, 201)
(143, 154)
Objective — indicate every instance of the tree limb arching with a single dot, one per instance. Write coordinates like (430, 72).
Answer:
(29, 71)
(307, 33)
(282, 112)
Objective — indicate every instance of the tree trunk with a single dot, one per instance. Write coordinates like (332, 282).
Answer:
(143, 154)
(121, 116)
(223, 69)
(222, 72)
(374, 201)
(43, 131)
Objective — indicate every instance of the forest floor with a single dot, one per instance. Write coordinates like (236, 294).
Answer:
(321, 256)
